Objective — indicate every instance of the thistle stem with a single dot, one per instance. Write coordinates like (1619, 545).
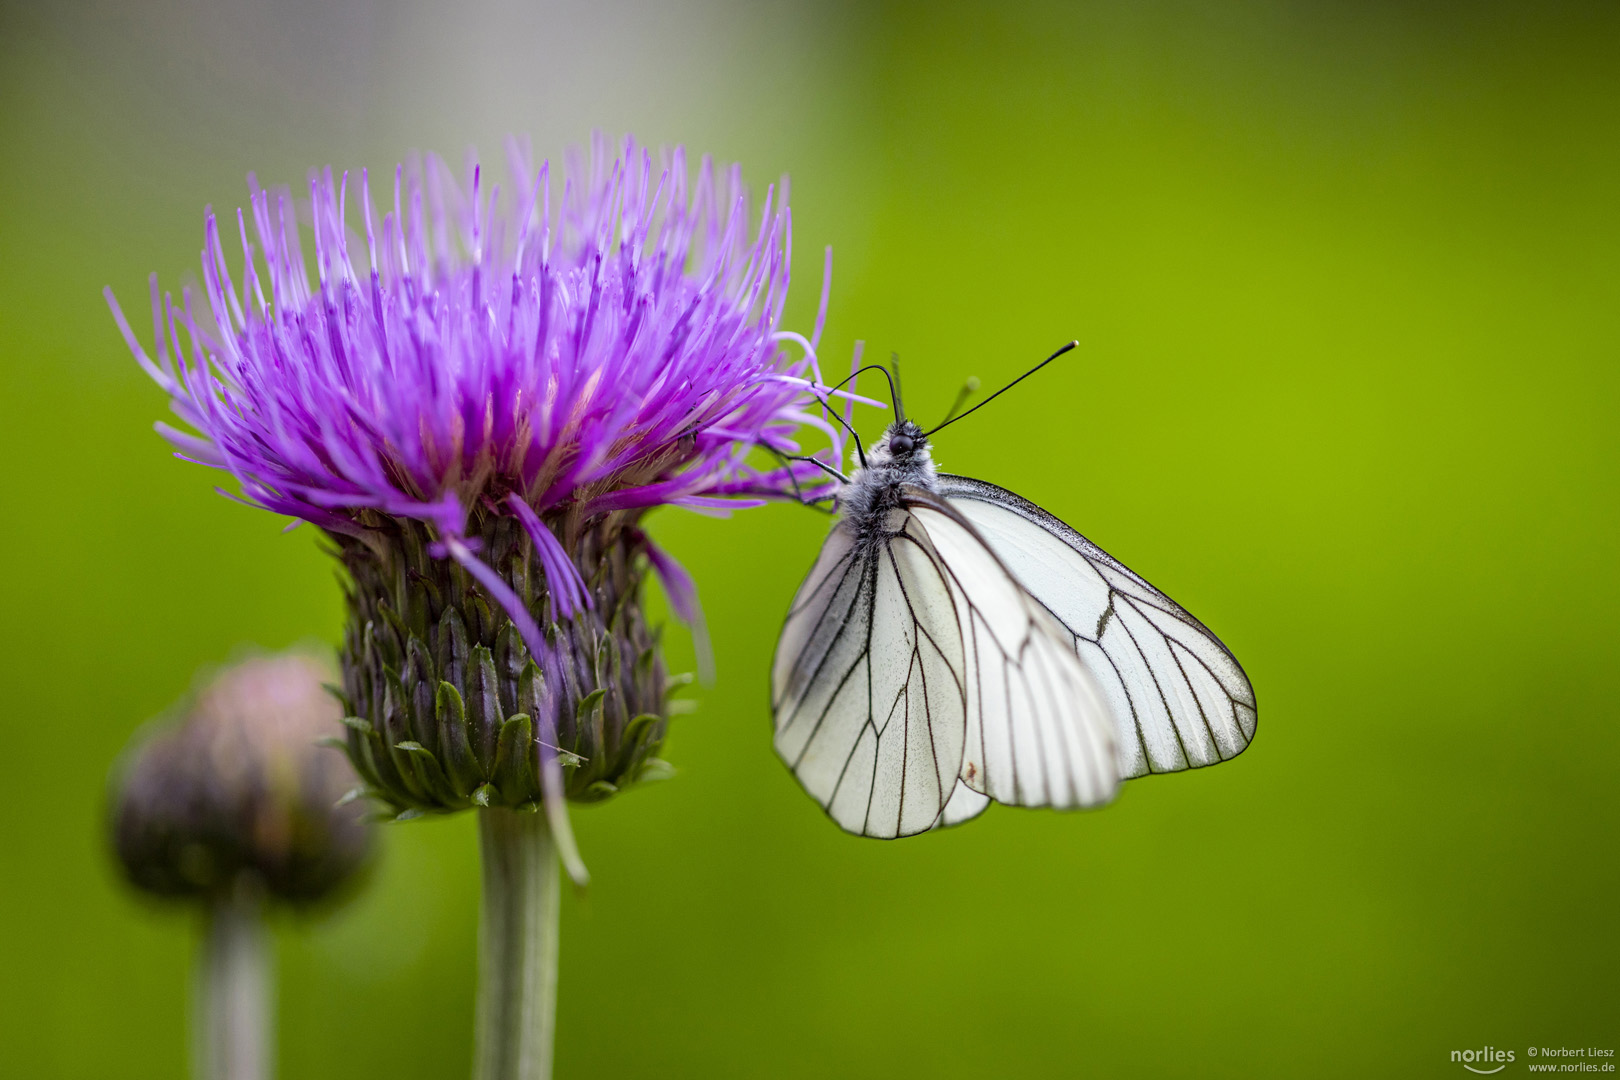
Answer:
(231, 1019)
(517, 946)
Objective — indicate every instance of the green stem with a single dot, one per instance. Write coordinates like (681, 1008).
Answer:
(517, 947)
(231, 1038)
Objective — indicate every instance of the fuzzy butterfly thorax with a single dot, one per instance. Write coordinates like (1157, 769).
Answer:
(898, 459)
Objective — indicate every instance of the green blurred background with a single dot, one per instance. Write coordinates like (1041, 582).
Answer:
(1345, 279)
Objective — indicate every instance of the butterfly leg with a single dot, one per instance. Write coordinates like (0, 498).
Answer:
(798, 492)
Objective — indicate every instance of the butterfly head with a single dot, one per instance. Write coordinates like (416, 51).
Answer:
(900, 456)
(902, 442)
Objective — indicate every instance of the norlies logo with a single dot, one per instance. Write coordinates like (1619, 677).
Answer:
(1484, 1061)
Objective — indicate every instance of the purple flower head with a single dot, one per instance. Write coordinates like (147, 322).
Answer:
(508, 383)
(554, 356)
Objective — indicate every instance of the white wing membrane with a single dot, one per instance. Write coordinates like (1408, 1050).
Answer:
(965, 804)
(916, 680)
(1039, 730)
(867, 686)
(1179, 698)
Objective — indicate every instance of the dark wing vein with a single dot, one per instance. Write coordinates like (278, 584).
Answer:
(919, 634)
(799, 681)
(1158, 688)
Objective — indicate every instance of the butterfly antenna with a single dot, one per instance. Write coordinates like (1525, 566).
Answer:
(860, 451)
(839, 385)
(895, 388)
(1006, 388)
(969, 388)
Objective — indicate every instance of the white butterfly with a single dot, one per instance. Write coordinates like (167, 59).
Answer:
(956, 644)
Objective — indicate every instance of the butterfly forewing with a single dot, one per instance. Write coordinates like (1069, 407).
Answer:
(868, 684)
(823, 603)
(1039, 730)
(1178, 696)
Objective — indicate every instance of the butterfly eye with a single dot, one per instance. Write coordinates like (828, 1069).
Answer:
(902, 444)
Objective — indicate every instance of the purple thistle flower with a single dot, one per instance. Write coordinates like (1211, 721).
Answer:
(478, 415)
(617, 351)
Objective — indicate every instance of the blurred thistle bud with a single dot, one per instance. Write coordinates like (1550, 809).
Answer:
(239, 792)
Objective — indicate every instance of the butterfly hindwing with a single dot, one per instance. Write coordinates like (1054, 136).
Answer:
(1179, 698)
(868, 684)
(965, 804)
